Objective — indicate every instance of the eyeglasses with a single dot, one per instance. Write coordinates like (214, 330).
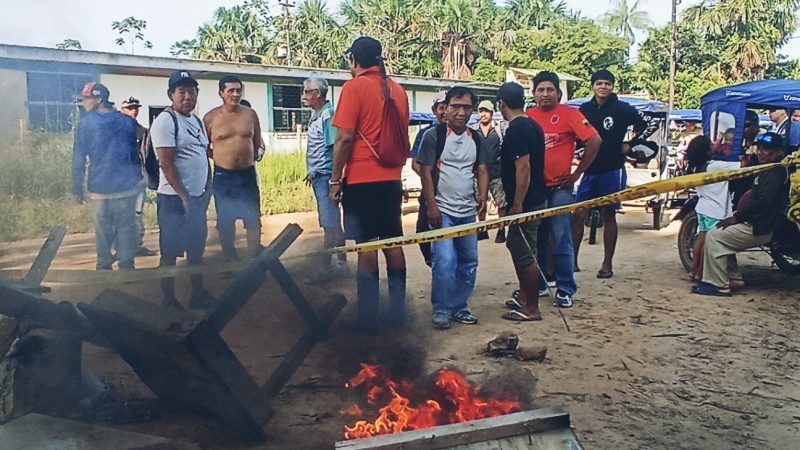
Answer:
(308, 91)
(460, 107)
(348, 56)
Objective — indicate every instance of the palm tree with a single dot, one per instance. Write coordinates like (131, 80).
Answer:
(748, 31)
(535, 13)
(624, 21)
(463, 25)
(317, 40)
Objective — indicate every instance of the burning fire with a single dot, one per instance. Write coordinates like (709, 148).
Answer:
(407, 407)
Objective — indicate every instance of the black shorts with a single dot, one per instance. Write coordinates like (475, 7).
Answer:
(373, 210)
(180, 231)
(236, 197)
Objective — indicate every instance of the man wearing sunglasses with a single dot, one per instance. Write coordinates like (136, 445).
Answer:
(750, 226)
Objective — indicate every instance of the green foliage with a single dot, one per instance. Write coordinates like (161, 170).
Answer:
(69, 44)
(131, 30)
(283, 188)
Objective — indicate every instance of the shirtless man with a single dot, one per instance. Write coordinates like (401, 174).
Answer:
(235, 135)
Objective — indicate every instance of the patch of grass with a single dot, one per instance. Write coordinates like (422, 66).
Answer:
(36, 185)
(283, 189)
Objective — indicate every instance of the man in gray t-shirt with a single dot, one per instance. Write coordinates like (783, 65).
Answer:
(184, 188)
(448, 171)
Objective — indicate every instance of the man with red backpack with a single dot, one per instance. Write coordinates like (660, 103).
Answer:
(369, 152)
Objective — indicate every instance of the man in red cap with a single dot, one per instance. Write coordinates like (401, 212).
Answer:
(107, 139)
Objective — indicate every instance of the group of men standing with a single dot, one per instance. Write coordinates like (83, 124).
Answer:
(117, 149)
(527, 165)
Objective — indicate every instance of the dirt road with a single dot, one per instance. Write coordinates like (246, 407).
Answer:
(644, 363)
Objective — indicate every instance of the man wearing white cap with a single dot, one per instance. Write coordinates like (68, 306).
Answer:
(492, 138)
(439, 110)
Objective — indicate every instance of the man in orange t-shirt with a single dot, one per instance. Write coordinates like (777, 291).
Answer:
(371, 194)
(562, 126)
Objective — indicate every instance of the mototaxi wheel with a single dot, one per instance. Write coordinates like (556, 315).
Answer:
(686, 237)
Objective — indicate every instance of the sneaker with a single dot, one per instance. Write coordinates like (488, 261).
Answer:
(501, 236)
(464, 317)
(483, 235)
(544, 292)
(562, 300)
(144, 251)
(441, 321)
(202, 300)
(551, 284)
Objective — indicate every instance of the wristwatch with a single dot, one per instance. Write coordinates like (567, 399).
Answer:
(334, 183)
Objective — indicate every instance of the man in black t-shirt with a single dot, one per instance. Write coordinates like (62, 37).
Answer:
(521, 170)
(611, 118)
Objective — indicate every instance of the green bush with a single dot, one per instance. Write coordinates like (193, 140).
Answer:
(283, 189)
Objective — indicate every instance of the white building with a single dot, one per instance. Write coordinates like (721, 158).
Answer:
(38, 86)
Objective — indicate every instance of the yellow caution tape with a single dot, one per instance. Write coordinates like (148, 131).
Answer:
(645, 190)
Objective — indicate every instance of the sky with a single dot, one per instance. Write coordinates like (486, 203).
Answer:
(45, 23)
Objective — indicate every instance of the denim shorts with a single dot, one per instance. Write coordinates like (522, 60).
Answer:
(181, 231)
(328, 212)
(236, 196)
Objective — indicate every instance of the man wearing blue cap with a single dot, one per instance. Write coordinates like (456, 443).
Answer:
(184, 189)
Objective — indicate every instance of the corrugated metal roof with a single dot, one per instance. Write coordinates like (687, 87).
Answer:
(533, 72)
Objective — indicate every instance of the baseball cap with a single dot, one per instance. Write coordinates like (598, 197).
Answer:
(487, 105)
(366, 51)
(95, 90)
(181, 78)
(512, 94)
(770, 141)
(131, 103)
(441, 96)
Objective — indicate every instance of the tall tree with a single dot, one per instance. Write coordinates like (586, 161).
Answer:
(240, 33)
(131, 31)
(535, 13)
(747, 33)
(316, 39)
(623, 20)
(69, 44)
(463, 26)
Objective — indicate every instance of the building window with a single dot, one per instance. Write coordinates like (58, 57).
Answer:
(51, 99)
(287, 108)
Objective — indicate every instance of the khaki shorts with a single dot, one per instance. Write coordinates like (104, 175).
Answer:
(521, 241)
(495, 191)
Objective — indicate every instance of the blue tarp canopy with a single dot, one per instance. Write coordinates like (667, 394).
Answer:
(758, 94)
(421, 117)
(639, 103)
(691, 115)
(724, 108)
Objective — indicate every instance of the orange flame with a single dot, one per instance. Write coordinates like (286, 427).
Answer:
(454, 400)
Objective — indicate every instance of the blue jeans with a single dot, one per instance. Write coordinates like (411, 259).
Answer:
(328, 212)
(115, 225)
(558, 228)
(455, 266)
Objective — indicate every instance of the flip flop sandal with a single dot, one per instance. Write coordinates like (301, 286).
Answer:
(517, 316)
(512, 303)
(605, 273)
(709, 290)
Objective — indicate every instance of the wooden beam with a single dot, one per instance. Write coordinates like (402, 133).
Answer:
(295, 296)
(516, 424)
(41, 264)
(251, 278)
(283, 373)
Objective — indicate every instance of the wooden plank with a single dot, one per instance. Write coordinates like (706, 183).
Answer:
(283, 373)
(251, 278)
(295, 295)
(23, 305)
(214, 353)
(41, 264)
(445, 436)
